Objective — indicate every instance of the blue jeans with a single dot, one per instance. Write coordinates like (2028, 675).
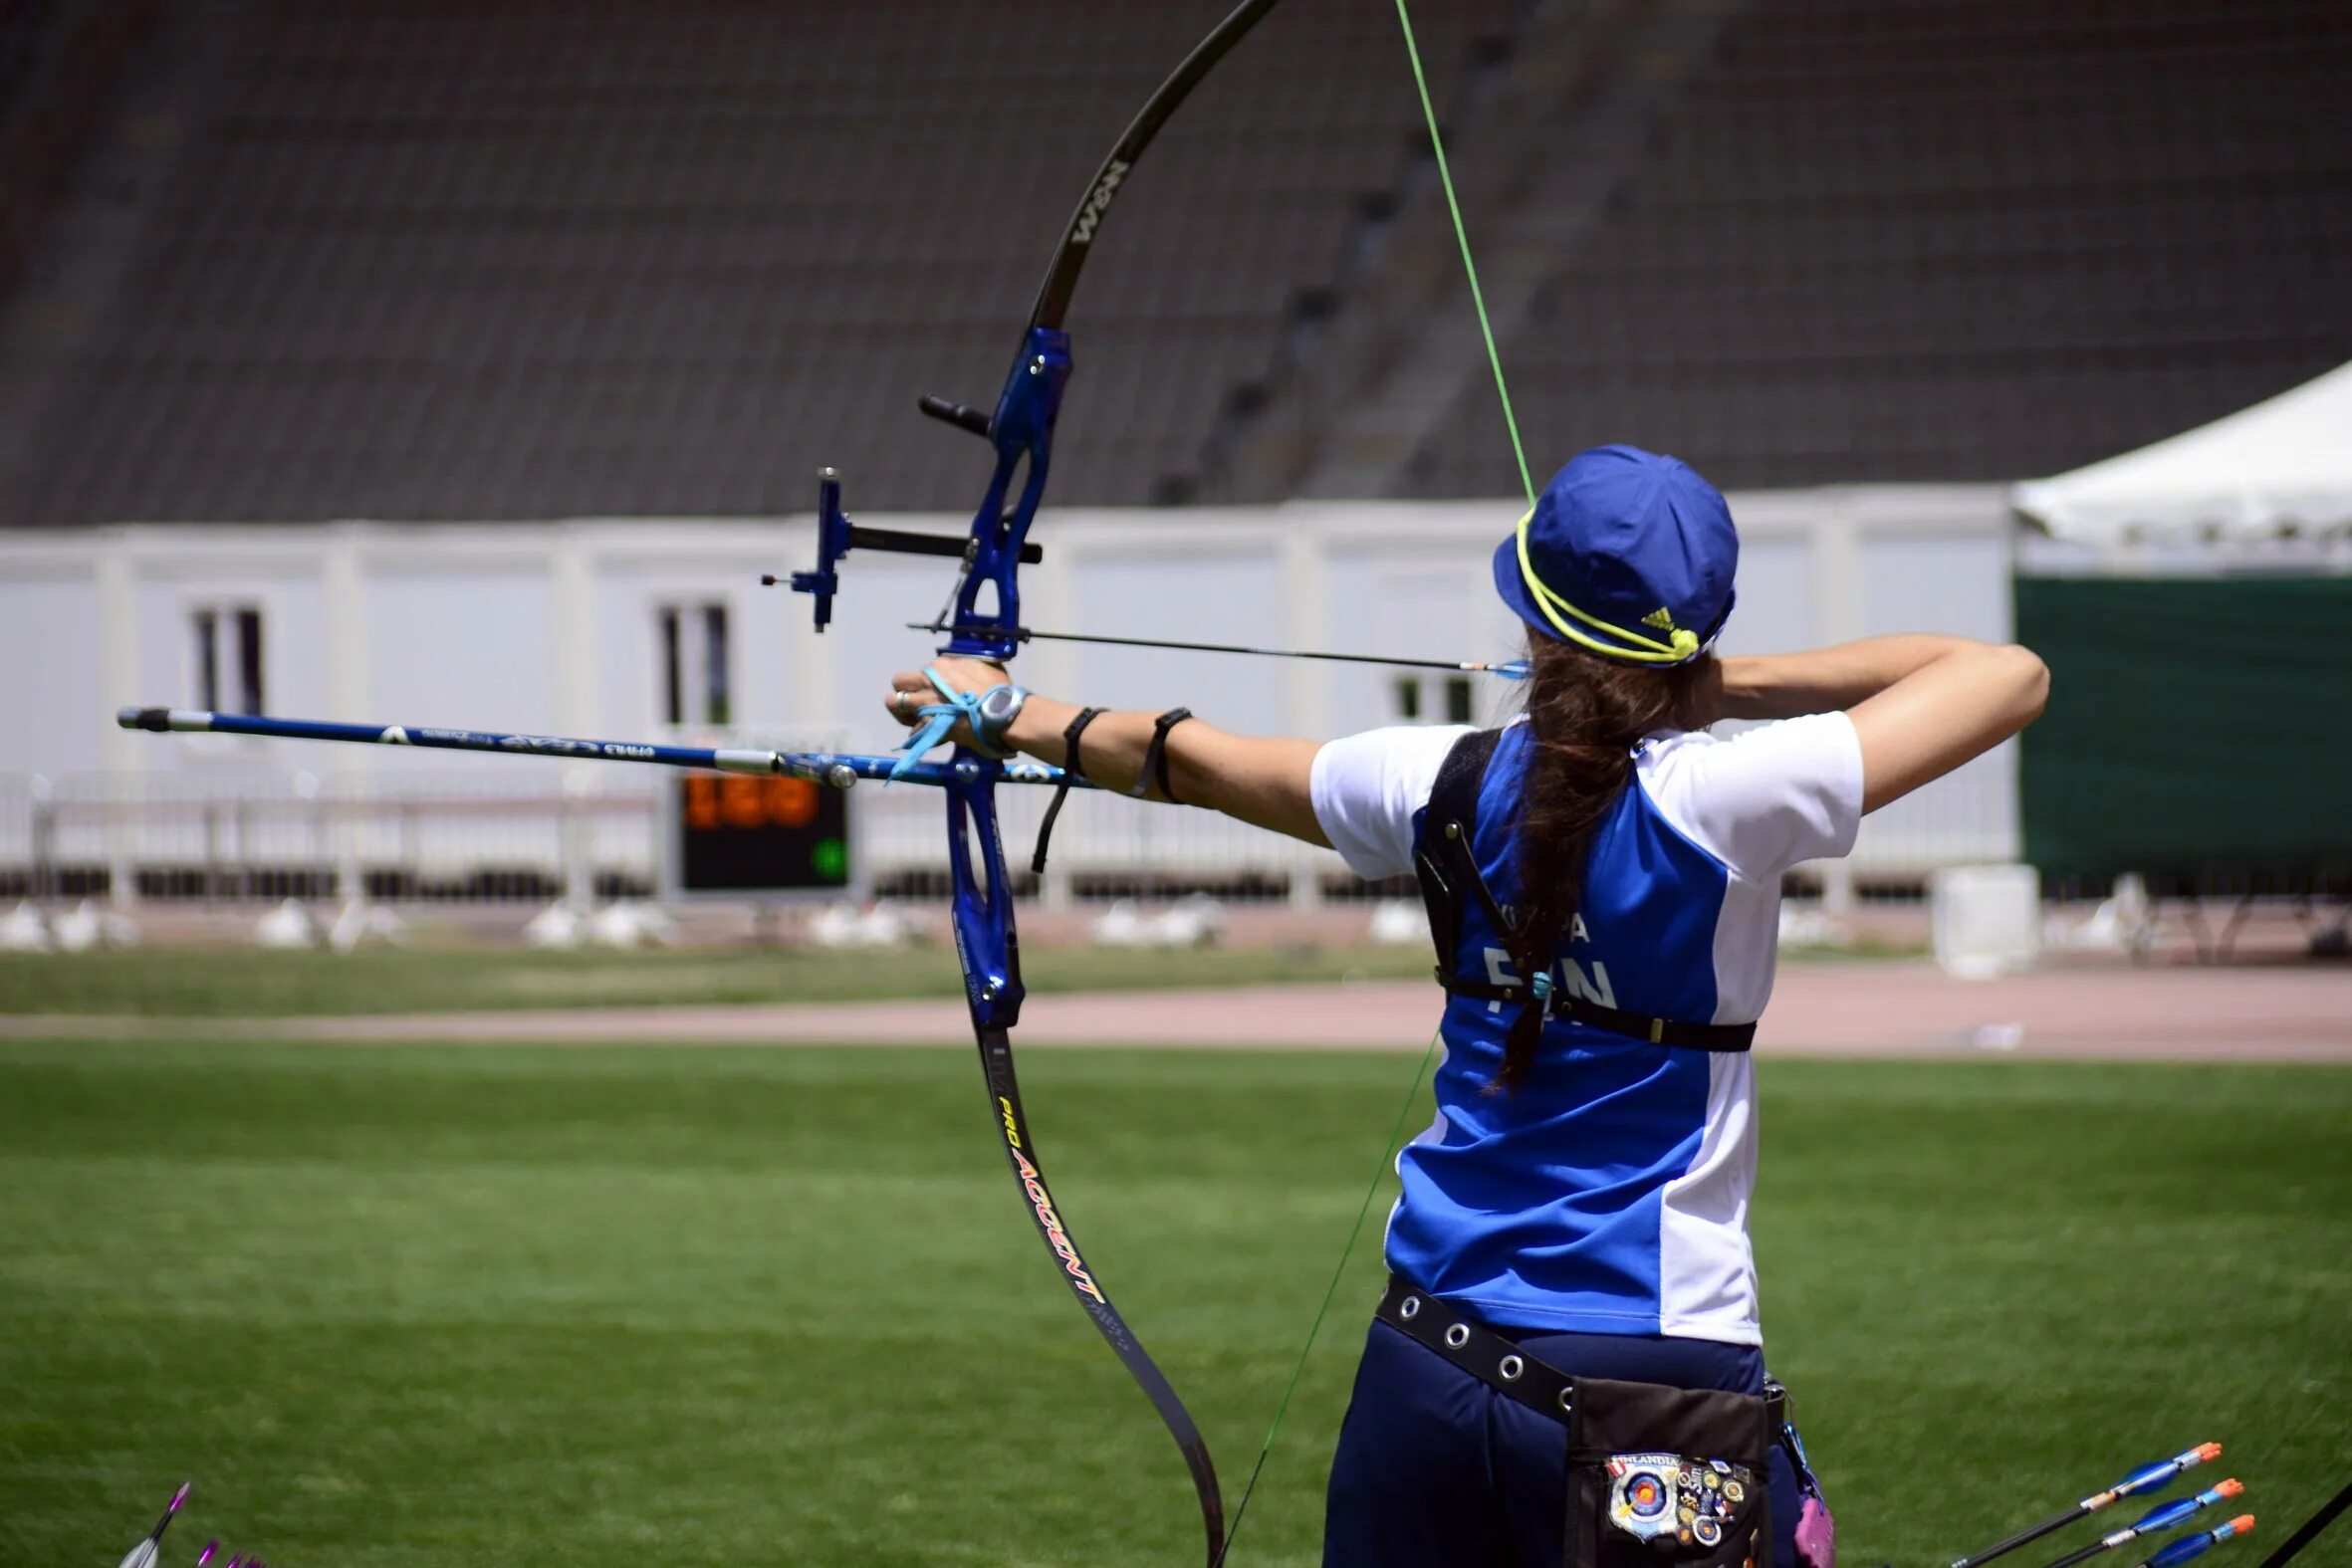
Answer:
(1437, 1471)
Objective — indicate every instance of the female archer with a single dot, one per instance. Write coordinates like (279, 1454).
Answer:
(1567, 1366)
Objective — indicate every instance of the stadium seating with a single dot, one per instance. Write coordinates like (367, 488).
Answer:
(595, 257)
(543, 258)
(1949, 240)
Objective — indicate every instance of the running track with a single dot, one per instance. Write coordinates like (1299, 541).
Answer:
(2243, 1013)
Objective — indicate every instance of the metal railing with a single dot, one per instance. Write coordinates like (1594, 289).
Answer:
(587, 836)
(270, 837)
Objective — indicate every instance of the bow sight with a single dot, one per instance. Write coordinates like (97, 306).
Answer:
(837, 536)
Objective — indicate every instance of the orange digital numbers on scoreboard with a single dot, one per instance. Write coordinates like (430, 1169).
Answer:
(702, 803)
(742, 803)
(792, 802)
(749, 803)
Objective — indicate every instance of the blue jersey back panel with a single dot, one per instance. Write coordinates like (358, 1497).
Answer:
(1546, 1208)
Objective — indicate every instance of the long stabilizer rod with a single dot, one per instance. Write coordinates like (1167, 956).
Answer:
(840, 769)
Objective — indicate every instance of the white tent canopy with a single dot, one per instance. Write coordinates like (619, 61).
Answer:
(2283, 466)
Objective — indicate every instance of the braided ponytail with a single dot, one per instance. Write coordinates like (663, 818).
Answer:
(1586, 714)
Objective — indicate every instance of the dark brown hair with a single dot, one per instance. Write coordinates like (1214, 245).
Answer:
(1586, 712)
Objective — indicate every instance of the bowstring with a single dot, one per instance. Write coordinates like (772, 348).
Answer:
(1354, 1234)
(1478, 300)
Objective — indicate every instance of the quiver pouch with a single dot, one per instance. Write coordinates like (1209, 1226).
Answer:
(1661, 1476)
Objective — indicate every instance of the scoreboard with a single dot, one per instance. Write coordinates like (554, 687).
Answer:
(735, 833)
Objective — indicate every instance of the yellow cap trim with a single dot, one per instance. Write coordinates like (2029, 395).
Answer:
(1683, 647)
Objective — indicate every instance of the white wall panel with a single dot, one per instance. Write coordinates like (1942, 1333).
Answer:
(1954, 585)
(54, 716)
(1775, 611)
(463, 627)
(1221, 593)
(459, 648)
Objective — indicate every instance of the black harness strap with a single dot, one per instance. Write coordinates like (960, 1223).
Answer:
(1446, 828)
(1447, 864)
(1658, 1031)
(1071, 767)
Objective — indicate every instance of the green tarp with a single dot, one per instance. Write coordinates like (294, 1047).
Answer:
(2198, 729)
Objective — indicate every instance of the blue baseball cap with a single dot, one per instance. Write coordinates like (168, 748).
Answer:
(1627, 555)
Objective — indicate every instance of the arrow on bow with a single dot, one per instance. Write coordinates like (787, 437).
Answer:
(1508, 669)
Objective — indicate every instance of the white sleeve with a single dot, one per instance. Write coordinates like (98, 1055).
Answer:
(1366, 788)
(1769, 798)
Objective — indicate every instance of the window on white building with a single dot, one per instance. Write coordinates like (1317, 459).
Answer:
(227, 658)
(1452, 693)
(695, 668)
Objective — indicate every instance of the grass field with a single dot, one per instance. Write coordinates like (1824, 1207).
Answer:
(244, 983)
(482, 1304)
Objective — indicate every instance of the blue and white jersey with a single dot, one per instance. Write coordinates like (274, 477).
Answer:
(1609, 1195)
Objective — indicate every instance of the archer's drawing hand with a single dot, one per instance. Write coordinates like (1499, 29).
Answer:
(911, 691)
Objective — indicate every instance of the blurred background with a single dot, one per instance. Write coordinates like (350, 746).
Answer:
(466, 365)
(466, 362)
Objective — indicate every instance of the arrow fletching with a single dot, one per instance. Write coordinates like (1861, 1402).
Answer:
(2189, 1546)
(2155, 1521)
(2154, 1476)
(2139, 1480)
(2166, 1515)
(144, 1555)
